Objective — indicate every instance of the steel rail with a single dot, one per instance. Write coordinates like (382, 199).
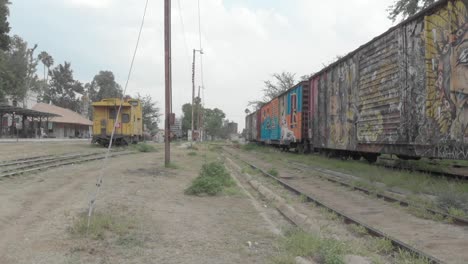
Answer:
(348, 219)
(6, 162)
(45, 161)
(448, 175)
(456, 220)
(76, 160)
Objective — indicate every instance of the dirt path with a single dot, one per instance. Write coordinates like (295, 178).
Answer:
(37, 212)
(444, 241)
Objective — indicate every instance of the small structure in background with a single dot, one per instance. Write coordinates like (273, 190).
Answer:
(18, 122)
(176, 129)
(232, 131)
(66, 123)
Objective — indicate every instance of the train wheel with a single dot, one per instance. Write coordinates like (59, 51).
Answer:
(370, 157)
(356, 156)
(300, 148)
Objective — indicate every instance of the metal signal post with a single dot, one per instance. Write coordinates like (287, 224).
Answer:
(168, 81)
(193, 90)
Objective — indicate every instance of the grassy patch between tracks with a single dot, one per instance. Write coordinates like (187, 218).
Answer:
(449, 195)
(102, 226)
(143, 147)
(212, 180)
(299, 243)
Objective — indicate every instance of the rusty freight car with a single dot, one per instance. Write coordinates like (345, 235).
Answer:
(403, 93)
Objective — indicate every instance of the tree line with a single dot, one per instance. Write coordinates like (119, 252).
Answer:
(19, 66)
(212, 121)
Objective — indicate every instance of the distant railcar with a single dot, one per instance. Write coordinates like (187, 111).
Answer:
(129, 127)
(403, 93)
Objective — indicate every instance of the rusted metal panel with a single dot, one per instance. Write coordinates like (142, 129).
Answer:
(380, 91)
(313, 110)
(251, 126)
(445, 126)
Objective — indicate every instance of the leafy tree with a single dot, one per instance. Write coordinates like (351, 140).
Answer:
(4, 25)
(213, 122)
(104, 86)
(407, 8)
(281, 83)
(64, 89)
(151, 112)
(17, 70)
(187, 115)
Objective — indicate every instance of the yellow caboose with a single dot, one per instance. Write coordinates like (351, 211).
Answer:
(129, 127)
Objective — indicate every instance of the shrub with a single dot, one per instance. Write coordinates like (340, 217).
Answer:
(143, 147)
(451, 200)
(192, 153)
(273, 172)
(300, 243)
(213, 178)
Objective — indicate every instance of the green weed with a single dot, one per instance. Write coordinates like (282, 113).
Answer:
(358, 229)
(457, 212)
(173, 166)
(404, 257)
(379, 245)
(192, 153)
(299, 243)
(273, 172)
(100, 225)
(213, 178)
(144, 147)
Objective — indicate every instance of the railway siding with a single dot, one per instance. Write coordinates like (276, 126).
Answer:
(28, 165)
(446, 242)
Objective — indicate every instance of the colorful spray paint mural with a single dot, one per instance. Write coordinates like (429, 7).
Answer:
(404, 93)
(281, 119)
(270, 129)
(291, 115)
(447, 71)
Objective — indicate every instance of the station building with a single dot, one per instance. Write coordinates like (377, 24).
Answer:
(65, 124)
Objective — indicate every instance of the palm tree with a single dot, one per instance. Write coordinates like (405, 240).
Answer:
(47, 61)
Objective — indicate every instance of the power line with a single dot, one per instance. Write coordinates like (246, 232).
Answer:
(187, 53)
(93, 199)
(201, 56)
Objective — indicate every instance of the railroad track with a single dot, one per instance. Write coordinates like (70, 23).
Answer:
(336, 177)
(348, 219)
(448, 175)
(40, 163)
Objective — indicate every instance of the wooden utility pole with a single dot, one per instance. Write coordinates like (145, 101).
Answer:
(199, 109)
(168, 80)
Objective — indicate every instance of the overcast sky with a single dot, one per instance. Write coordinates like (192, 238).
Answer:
(245, 41)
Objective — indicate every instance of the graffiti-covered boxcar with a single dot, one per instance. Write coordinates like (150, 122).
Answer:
(404, 93)
(282, 121)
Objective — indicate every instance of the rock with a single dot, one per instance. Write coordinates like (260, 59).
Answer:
(301, 260)
(353, 259)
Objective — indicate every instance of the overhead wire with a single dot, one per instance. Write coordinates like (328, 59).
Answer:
(201, 56)
(93, 199)
(187, 50)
